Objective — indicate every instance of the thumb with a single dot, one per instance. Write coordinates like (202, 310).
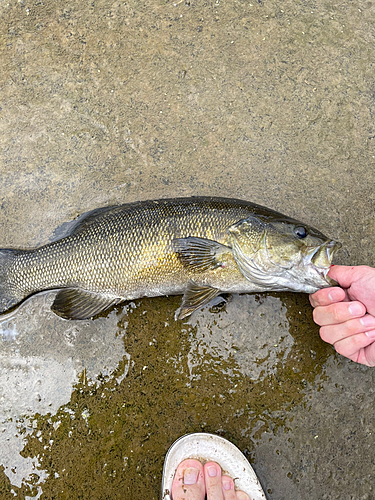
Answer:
(344, 275)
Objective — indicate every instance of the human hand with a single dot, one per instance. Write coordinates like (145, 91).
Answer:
(347, 315)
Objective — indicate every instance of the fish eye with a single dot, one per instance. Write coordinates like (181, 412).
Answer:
(300, 232)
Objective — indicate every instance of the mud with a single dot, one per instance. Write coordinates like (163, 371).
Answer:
(103, 103)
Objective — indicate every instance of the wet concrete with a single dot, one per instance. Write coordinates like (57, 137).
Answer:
(103, 103)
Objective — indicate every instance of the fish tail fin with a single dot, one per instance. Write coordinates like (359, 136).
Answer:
(10, 295)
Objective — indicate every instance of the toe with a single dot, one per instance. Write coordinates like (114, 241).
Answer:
(188, 482)
(241, 495)
(228, 488)
(212, 477)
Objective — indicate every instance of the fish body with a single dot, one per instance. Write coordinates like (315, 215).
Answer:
(198, 247)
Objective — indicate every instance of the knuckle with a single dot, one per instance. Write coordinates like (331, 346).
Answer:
(340, 312)
(321, 297)
(359, 340)
(351, 328)
(350, 345)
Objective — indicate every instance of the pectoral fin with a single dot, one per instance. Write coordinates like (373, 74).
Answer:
(73, 303)
(198, 253)
(195, 297)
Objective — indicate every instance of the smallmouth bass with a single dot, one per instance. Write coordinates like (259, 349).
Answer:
(198, 247)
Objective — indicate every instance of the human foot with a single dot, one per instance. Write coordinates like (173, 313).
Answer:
(185, 478)
(193, 481)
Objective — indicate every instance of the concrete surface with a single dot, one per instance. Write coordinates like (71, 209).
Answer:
(106, 102)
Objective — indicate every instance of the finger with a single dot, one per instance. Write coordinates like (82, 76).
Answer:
(335, 333)
(366, 355)
(327, 296)
(345, 275)
(212, 477)
(351, 347)
(337, 313)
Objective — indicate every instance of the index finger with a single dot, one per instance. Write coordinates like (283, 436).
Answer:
(327, 296)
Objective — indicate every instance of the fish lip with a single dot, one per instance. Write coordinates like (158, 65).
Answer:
(331, 248)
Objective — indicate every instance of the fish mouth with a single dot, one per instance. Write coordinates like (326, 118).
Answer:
(321, 260)
(332, 247)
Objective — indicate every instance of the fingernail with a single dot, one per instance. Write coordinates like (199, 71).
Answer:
(227, 485)
(371, 334)
(212, 472)
(367, 321)
(355, 309)
(191, 475)
(335, 294)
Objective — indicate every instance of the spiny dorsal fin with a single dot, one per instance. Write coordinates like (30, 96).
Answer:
(198, 253)
(195, 296)
(73, 303)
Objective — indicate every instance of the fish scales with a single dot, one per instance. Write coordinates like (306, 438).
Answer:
(141, 249)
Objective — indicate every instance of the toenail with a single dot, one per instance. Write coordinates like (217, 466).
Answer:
(191, 475)
(227, 485)
(212, 472)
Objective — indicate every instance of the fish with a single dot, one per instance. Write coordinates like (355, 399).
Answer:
(197, 247)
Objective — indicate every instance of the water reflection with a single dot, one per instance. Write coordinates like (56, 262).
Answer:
(41, 356)
(252, 330)
(145, 380)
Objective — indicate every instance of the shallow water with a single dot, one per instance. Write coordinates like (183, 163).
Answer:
(103, 103)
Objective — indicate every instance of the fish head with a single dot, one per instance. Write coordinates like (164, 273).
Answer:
(282, 254)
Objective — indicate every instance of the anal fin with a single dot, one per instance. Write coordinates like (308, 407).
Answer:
(195, 297)
(74, 303)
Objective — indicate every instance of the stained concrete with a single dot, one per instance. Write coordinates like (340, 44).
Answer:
(106, 102)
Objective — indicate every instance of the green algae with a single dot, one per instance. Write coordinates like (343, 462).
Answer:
(110, 440)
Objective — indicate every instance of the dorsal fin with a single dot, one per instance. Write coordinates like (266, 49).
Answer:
(80, 223)
(89, 218)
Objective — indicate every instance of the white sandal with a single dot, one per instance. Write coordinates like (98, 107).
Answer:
(211, 448)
